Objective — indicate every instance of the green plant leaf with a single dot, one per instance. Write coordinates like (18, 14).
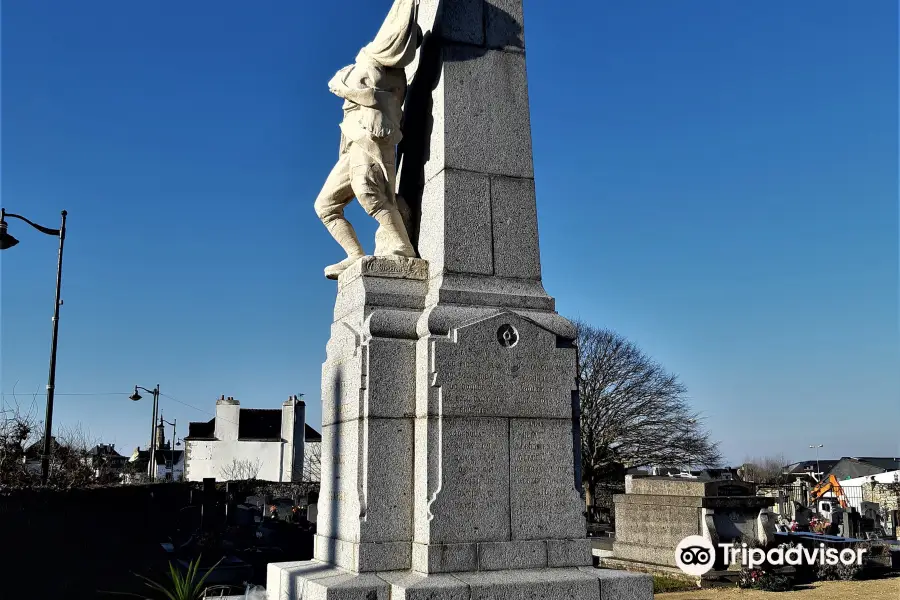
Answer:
(175, 577)
(208, 573)
(183, 587)
(158, 587)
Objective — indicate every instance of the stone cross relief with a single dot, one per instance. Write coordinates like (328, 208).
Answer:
(374, 90)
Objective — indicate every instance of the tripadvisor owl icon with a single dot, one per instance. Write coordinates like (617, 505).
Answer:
(695, 555)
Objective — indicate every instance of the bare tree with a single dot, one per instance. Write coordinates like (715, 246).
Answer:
(312, 462)
(18, 429)
(767, 470)
(633, 413)
(70, 461)
(241, 470)
(21, 445)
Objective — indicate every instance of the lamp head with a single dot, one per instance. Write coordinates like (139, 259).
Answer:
(6, 240)
(135, 396)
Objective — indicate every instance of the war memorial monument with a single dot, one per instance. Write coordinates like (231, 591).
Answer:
(450, 445)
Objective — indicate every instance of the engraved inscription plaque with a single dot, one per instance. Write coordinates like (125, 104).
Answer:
(504, 366)
(473, 502)
(543, 501)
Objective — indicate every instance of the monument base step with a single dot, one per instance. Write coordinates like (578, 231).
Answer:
(313, 580)
(615, 562)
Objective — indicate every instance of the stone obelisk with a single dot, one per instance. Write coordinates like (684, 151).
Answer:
(449, 392)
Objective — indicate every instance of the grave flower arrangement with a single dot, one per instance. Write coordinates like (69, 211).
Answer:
(766, 581)
(819, 525)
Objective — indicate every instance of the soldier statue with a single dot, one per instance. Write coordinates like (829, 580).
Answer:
(373, 90)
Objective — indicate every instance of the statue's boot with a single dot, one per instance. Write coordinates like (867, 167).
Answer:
(342, 232)
(391, 238)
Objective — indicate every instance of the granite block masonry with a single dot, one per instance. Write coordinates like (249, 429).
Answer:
(656, 513)
(449, 382)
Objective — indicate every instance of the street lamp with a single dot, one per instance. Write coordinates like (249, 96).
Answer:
(8, 241)
(818, 469)
(135, 397)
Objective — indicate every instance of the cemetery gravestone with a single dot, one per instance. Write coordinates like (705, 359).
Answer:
(656, 513)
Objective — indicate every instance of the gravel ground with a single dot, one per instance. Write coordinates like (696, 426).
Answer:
(877, 589)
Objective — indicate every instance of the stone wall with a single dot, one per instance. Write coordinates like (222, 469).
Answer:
(887, 495)
(84, 540)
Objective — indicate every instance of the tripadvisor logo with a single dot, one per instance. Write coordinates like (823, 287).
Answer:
(695, 555)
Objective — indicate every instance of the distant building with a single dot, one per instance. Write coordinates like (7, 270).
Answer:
(102, 460)
(808, 470)
(851, 467)
(34, 451)
(105, 461)
(169, 464)
(245, 443)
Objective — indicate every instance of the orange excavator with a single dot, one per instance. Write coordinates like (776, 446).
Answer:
(829, 484)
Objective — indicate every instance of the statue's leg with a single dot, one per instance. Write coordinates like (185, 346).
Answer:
(375, 194)
(336, 194)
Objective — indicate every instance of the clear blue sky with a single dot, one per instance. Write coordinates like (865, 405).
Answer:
(717, 181)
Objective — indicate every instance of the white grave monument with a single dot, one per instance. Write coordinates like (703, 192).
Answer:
(448, 452)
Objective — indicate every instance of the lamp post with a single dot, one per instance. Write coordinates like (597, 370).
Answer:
(818, 469)
(135, 397)
(8, 241)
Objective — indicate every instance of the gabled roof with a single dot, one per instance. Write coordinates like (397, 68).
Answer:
(804, 466)
(202, 430)
(34, 451)
(104, 450)
(851, 467)
(260, 424)
(311, 435)
(162, 457)
(253, 424)
(888, 464)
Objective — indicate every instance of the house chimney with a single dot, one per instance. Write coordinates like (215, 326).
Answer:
(293, 431)
(228, 413)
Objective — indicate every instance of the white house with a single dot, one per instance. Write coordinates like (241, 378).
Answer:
(169, 464)
(250, 443)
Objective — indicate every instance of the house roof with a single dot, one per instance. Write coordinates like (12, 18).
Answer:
(311, 435)
(253, 424)
(260, 424)
(825, 465)
(851, 467)
(35, 450)
(888, 464)
(162, 456)
(202, 430)
(104, 450)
